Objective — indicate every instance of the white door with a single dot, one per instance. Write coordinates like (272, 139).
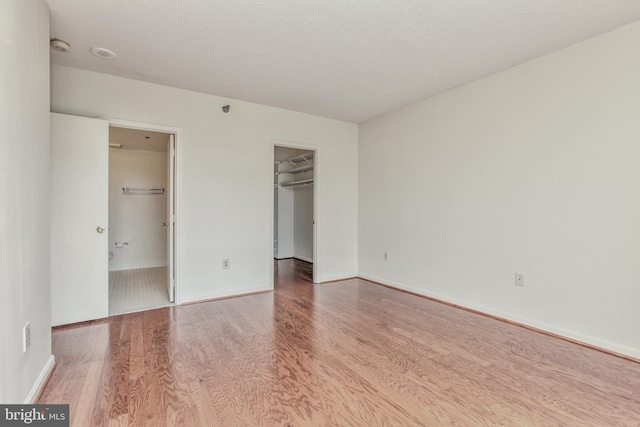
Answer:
(79, 219)
(171, 222)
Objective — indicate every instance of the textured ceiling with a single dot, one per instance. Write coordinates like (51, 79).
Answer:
(345, 59)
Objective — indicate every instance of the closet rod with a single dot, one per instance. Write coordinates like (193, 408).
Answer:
(129, 190)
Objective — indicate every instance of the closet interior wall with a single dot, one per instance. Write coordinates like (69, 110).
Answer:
(137, 237)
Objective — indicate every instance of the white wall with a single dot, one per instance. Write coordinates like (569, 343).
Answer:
(285, 222)
(532, 170)
(303, 223)
(227, 177)
(24, 198)
(133, 218)
(283, 206)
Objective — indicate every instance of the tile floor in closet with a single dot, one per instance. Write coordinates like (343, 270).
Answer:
(136, 290)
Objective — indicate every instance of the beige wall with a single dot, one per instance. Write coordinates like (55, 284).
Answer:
(532, 170)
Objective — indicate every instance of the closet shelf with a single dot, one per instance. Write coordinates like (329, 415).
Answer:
(297, 159)
(298, 169)
(298, 183)
(295, 165)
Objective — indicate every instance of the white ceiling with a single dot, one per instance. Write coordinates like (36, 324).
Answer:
(346, 59)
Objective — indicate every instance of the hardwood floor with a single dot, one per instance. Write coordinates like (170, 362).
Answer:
(348, 353)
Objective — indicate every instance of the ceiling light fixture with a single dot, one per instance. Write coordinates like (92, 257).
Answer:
(60, 45)
(103, 53)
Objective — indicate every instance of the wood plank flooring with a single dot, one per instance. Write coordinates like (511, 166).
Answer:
(349, 353)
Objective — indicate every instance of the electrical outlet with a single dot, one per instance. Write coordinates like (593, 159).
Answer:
(26, 337)
(385, 256)
(519, 279)
(226, 263)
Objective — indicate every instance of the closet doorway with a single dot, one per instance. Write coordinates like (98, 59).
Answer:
(294, 209)
(141, 219)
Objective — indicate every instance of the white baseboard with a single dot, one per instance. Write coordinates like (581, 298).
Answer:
(136, 266)
(552, 329)
(337, 278)
(223, 295)
(41, 381)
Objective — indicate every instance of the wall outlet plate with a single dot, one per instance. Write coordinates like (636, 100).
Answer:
(385, 256)
(226, 263)
(519, 281)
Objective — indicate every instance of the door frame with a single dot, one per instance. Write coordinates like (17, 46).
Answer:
(177, 186)
(316, 180)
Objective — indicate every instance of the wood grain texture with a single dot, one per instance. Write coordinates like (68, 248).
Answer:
(502, 319)
(349, 353)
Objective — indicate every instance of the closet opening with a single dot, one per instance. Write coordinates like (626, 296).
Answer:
(141, 219)
(293, 210)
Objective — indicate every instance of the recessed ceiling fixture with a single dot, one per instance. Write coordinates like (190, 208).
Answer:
(103, 53)
(59, 45)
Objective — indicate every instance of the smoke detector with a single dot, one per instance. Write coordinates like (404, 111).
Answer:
(59, 45)
(103, 53)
